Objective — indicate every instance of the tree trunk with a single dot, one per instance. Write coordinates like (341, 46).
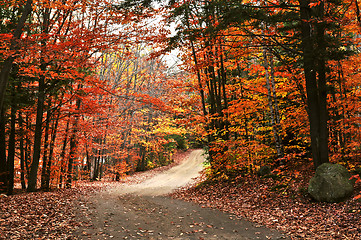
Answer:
(96, 166)
(272, 106)
(40, 108)
(51, 151)
(141, 162)
(37, 138)
(322, 86)
(88, 165)
(73, 145)
(3, 163)
(11, 152)
(45, 152)
(27, 146)
(62, 154)
(69, 177)
(22, 152)
(279, 144)
(316, 90)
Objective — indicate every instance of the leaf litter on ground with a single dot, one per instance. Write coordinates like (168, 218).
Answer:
(281, 204)
(51, 215)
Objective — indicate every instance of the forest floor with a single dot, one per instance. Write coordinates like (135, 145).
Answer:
(281, 202)
(92, 210)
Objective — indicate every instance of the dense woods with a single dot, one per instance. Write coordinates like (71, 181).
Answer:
(87, 93)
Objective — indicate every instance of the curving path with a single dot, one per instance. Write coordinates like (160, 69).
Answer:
(169, 180)
(141, 211)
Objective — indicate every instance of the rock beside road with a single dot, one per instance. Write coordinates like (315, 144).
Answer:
(331, 183)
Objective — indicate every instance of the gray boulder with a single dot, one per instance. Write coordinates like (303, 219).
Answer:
(331, 183)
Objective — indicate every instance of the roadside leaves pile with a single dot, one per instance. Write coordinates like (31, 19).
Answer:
(285, 206)
(40, 215)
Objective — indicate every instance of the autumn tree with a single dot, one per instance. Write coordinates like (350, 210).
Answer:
(141, 117)
(299, 39)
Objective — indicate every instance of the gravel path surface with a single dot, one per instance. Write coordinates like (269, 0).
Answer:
(166, 182)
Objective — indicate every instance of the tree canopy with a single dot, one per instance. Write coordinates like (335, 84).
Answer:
(86, 93)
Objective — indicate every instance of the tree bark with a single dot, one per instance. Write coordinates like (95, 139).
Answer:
(3, 162)
(27, 146)
(45, 152)
(73, 145)
(279, 143)
(51, 151)
(40, 109)
(11, 152)
(22, 152)
(272, 105)
(62, 155)
(315, 88)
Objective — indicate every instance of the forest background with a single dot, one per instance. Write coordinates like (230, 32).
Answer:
(85, 91)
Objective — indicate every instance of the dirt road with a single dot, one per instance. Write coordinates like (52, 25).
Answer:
(142, 211)
(167, 181)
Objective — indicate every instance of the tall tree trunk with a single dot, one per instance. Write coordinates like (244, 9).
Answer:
(62, 154)
(223, 83)
(3, 163)
(141, 162)
(46, 145)
(27, 146)
(73, 145)
(96, 166)
(69, 178)
(88, 165)
(37, 138)
(51, 151)
(11, 151)
(358, 13)
(22, 152)
(316, 90)
(322, 85)
(40, 108)
(279, 144)
(272, 106)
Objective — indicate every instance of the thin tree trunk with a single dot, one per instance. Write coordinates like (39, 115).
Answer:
(27, 146)
(358, 13)
(224, 82)
(62, 154)
(11, 152)
(3, 162)
(46, 145)
(279, 143)
(40, 110)
(51, 151)
(22, 152)
(88, 162)
(272, 107)
(37, 138)
(96, 166)
(73, 145)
